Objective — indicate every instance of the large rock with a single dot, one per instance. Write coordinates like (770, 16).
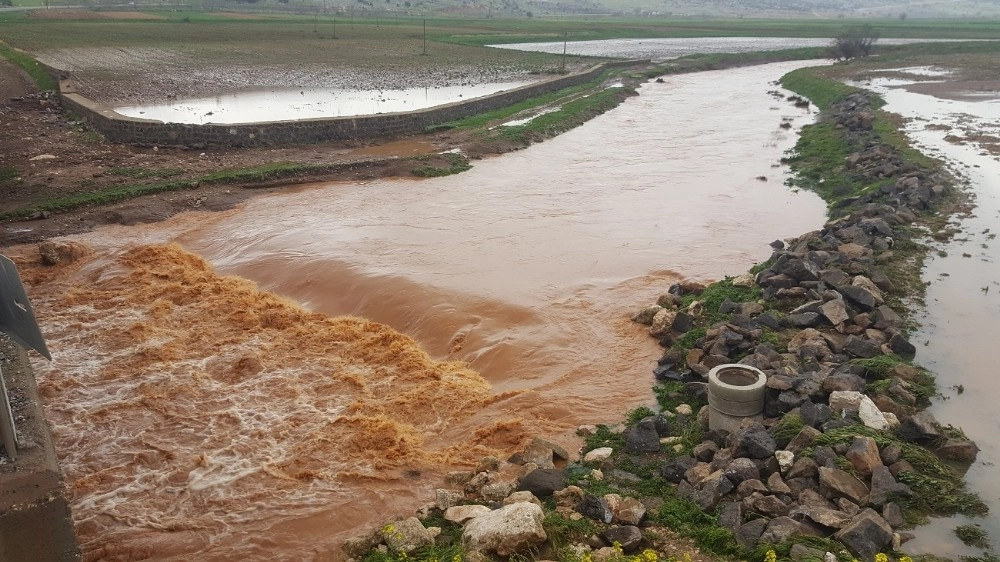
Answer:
(921, 428)
(462, 513)
(800, 270)
(885, 487)
(866, 535)
(871, 416)
(859, 297)
(505, 531)
(833, 518)
(748, 535)
(406, 536)
(54, 253)
(864, 455)
(730, 515)
(542, 482)
(628, 537)
(742, 469)
(646, 315)
(595, 508)
(958, 450)
(863, 348)
(809, 343)
(868, 285)
(629, 511)
(841, 400)
(661, 322)
(674, 471)
(771, 506)
(835, 311)
(842, 484)
(642, 437)
(780, 529)
(755, 442)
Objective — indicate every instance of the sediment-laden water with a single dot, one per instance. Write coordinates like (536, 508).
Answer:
(208, 397)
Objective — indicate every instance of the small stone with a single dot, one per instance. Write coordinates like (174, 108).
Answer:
(785, 460)
(598, 455)
(462, 513)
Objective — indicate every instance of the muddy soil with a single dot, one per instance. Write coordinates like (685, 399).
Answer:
(44, 154)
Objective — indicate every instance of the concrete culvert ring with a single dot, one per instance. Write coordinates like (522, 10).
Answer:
(735, 392)
(736, 383)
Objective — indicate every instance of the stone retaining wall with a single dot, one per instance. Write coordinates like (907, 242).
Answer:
(119, 128)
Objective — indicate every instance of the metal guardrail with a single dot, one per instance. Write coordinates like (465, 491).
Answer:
(17, 321)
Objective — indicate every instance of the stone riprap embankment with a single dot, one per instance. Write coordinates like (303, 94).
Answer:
(841, 468)
(119, 128)
(844, 448)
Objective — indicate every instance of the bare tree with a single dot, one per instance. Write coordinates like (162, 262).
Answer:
(854, 43)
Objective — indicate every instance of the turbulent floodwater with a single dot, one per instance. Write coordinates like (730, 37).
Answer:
(963, 295)
(208, 398)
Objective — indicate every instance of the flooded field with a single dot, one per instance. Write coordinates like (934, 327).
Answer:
(657, 49)
(236, 416)
(290, 104)
(963, 293)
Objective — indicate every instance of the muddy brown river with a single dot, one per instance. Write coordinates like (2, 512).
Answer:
(209, 398)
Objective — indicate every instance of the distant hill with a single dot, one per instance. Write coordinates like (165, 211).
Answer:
(779, 9)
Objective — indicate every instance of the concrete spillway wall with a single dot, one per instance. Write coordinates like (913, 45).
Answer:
(119, 128)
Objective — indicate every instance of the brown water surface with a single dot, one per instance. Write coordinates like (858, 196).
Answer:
(199, 413)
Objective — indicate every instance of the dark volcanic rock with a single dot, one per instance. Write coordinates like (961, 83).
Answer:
(857, 296)
(642, 437)
(742, 469)
(749, 533)
(866, 535)
(674, 470)
(755, 442)
(628, 536)
(543, 482)
(921, 428)
(595, 508)
(885, 487)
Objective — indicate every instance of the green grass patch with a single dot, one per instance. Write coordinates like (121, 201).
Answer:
(973, 535)
(719, 292)
(823, 92)
(937, 488)
(456, 165)
(38, 73)
(8, 173)
(818, 163)
(484, 119)
(447, 548)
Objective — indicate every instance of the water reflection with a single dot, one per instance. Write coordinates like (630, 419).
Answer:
(310, 103)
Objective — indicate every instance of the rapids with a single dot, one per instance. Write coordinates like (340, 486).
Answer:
(238, 384)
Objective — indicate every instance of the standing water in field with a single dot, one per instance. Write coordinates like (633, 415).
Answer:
(312, 103)
(958, 327)
(197, 414)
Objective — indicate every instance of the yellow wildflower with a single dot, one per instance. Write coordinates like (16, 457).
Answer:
(771, 556)
(881, 557)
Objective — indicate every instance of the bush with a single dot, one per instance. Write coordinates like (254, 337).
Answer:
(854, 43)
